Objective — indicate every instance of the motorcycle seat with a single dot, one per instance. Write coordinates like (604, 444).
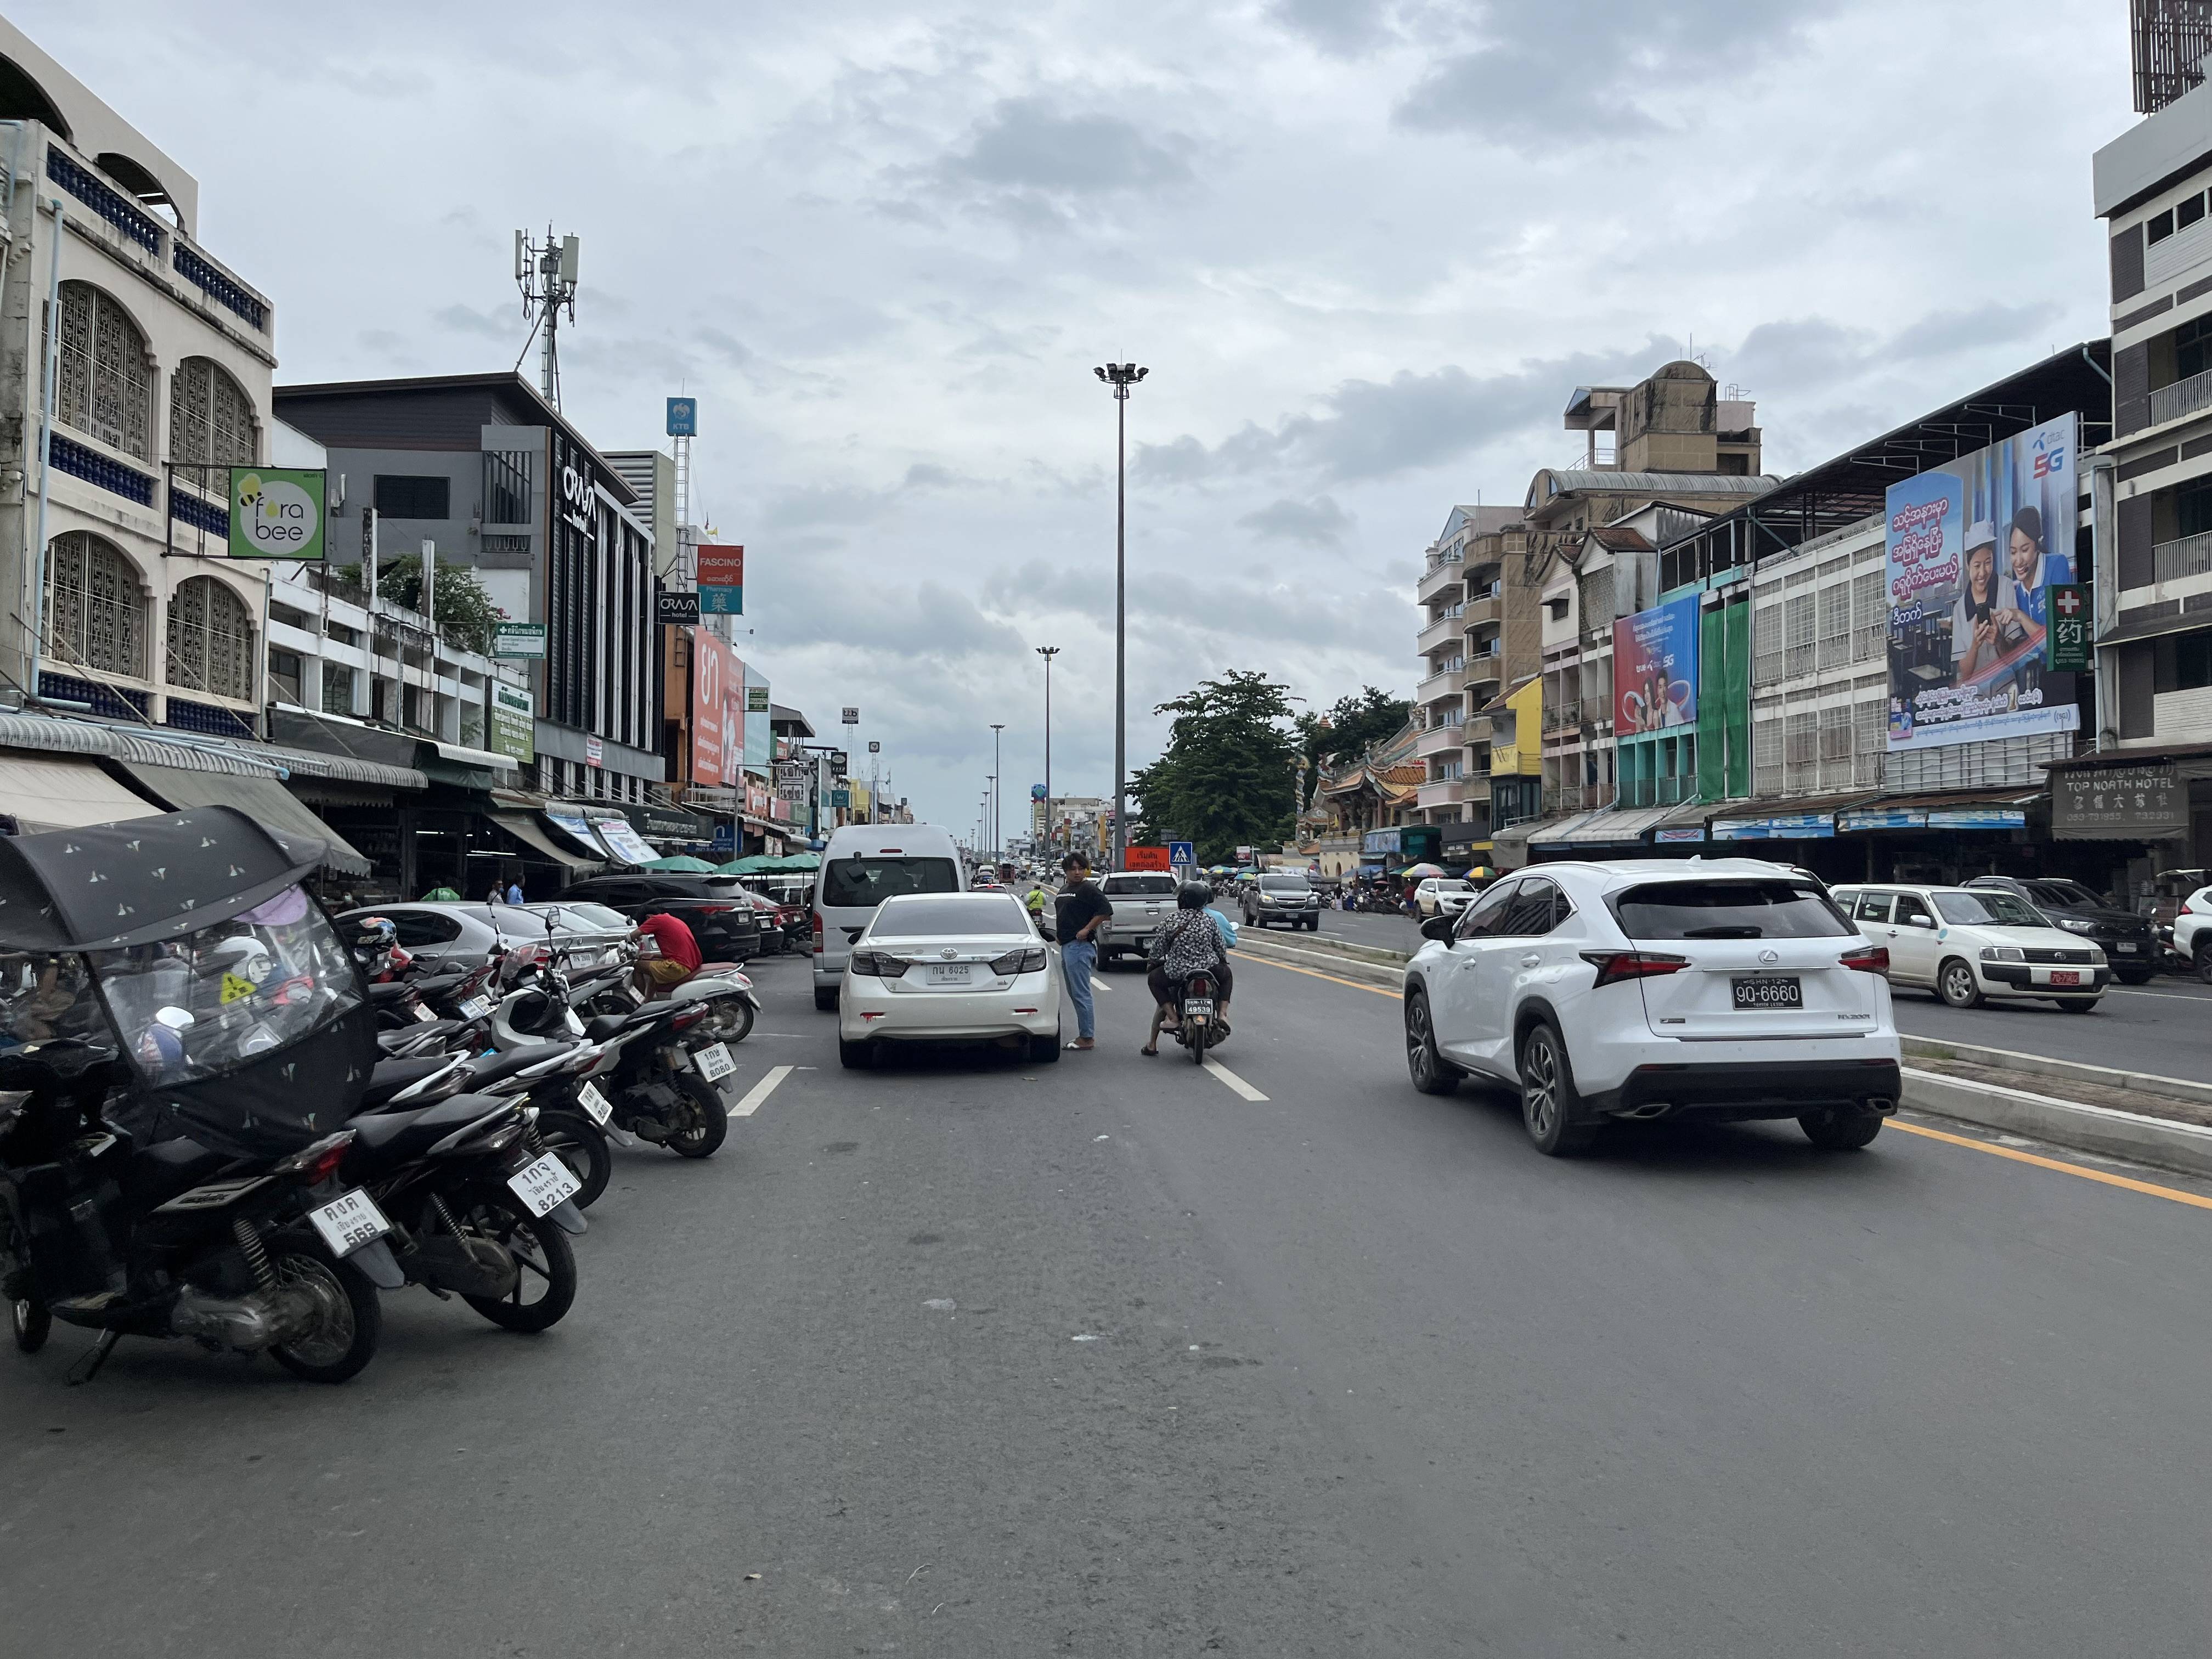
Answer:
(487, 1069)
(391, 1076)
(389, 990)
(155, 1174)
(392, 1136)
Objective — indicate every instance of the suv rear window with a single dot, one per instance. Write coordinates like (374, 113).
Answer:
(1727, 910)
(859, 883)
(1136, 886)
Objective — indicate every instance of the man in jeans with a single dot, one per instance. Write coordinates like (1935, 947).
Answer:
(1080, 910)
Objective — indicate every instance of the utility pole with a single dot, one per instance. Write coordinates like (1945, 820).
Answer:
(1047, 652)
(1120, 377)
(997, 826)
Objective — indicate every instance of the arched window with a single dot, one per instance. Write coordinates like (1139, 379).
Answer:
(211, 416)
(96, 610)
(210, 638)
(107, 388)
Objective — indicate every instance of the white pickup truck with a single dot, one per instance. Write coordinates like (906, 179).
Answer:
(1142, 900)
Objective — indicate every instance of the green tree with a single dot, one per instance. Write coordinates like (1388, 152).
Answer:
(1228, 775)
(1344, 732)
(467, 616)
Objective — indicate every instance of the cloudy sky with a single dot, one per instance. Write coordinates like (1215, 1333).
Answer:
(1365, 250)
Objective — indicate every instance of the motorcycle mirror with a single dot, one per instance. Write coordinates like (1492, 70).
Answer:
(177, 1019)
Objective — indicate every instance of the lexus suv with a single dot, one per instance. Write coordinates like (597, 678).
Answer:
(1718, 988)
(2129, 941)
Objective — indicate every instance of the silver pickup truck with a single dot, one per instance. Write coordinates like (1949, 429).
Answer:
(1142, 899)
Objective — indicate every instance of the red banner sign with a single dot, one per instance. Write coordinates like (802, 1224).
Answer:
(1146, 857)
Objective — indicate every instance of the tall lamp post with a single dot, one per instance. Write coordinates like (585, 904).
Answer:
(1047, 652)
(1120, 377)
(998, 825)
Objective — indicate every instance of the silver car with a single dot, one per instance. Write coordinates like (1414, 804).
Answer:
(461, 935)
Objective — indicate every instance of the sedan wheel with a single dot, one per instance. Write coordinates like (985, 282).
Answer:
(1956, 984)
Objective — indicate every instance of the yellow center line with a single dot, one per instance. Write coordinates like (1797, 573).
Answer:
(1315, 973)
(2174, 1194)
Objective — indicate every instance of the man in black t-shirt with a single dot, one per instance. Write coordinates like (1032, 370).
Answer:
(1080, 910)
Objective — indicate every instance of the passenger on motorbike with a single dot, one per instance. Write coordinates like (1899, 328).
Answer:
(1187, 943)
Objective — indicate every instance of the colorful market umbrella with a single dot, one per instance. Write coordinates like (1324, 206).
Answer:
(1419, 871)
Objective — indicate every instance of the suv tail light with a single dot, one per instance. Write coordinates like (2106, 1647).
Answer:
(818, 932)
(1875, 959)
(1615, 965)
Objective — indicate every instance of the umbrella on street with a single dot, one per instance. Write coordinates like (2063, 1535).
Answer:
(1418, 871)
(680, 864)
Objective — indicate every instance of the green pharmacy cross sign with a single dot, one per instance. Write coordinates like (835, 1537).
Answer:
(2066, 646)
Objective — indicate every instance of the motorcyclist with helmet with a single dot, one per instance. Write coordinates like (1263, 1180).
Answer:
(1187, 943)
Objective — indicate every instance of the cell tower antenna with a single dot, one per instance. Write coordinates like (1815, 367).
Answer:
(546, 273)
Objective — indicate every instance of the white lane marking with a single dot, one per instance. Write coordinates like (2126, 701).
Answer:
(2169, 996)
(1234, 1081)
(760, 1091)
(1098, 984)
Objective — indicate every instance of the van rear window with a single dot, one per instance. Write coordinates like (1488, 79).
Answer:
(1726, 909)
(1121, 884)
(861, 884)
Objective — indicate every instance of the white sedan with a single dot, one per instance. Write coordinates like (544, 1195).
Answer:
(949, 968)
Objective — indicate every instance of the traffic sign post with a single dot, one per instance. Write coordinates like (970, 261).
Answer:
(1183, 854)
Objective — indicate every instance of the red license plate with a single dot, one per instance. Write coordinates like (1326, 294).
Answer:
(2058, 978)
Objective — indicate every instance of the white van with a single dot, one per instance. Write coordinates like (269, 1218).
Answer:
(864, 864)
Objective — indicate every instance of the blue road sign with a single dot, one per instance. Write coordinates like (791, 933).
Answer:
(1181, 852)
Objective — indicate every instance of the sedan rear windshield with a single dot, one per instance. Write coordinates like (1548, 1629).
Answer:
(955, 914)
(857, 883)
(1127, 886)
(1988, 907)
(1727, 910)
(1284, 885)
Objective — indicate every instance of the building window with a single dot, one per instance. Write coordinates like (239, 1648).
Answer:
(337, 689)
(2188, 211)
(284, 675)
(96, 610)
(406, 495)
(2192, 348)
(2182, 662)
(2159, 227)
(211, 416)
(506, 486)
(210, 638)
(106, 387)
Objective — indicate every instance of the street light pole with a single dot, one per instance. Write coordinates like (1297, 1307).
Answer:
(998, 827)
(1120, 377)
(1047, 652)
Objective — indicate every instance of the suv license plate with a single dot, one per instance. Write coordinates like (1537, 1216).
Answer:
(594, 1104)
(2124, 946)
(2064, 977)
(347, 1224)
(1768, 993)
(713, 1061)
(543, 1184)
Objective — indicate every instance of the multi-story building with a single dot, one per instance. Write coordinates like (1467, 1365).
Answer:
(1469, 624)
(160, 359)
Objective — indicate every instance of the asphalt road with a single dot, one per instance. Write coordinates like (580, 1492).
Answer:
(965, 1358)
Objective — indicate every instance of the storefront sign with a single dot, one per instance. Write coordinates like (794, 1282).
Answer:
(1975, 550)
(1979, 818)
(594, 755)
(711, 665)
(622, 840)
(2067, 650)
(518, 639)
(2118, 803)
(1655, 667)
(841, 798)
(840, 763)
(512, 721)
(276, 512)
(682, 418)
(1881, 817)
(1793, 826)
(1678, 836)
(676, 610)
(723, 582)
(1145, 858)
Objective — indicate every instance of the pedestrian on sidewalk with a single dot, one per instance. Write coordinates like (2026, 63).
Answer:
(1078, 911)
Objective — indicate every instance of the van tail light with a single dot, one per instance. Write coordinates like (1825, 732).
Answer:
(818, 932)
(1615, 965)
(1875, 959)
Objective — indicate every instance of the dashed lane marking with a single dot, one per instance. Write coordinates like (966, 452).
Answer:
(1234, 1081)
(760, 1091)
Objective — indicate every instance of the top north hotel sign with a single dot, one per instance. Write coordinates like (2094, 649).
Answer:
(721, 581)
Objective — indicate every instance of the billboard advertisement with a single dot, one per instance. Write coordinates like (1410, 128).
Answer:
(721, 581)
(712, 662)
(1655, 668)
(1974, 550)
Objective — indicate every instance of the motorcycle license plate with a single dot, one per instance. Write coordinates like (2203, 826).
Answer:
(475, 1008)
(543, 1184)
(594, 1104)
(2067, 978)
(1199, 1005)
(713, 1061)
(349, 1223)
(423, 1014)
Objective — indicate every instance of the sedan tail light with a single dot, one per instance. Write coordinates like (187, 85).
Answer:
(875, 965)
(1030, 960)
(1615, 965)
(1875, 959)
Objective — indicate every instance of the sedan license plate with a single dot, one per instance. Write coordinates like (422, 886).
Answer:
(543, 1184)
(347, 1223)
(713, 1061)
(1777, 993)
(948, 973)
(2065, 976)
(594, 1104)
(476, 1008)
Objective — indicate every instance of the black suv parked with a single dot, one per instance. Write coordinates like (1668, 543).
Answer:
(714, 907)
(2128, 940)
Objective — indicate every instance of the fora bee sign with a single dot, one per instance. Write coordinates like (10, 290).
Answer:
(276, 512)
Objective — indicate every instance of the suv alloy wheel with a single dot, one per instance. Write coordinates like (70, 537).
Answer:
(1551, 1107)
(1432, 1073)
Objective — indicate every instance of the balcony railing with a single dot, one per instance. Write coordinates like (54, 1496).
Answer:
(1440, 741)
(1441, 574)
(1442, 684)
(2186, 555)
(2171, 402)
(1488, 609)
(1443, 631)
(1563, 716)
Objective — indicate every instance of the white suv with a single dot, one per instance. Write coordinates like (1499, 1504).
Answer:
(2192, 932)
(1969, 944)
(1718, 988)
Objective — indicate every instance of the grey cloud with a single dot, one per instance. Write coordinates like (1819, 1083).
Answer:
(501, 325)
(1028, 144)
(1342, 28)
(1942, 332)
(1317, 523)
(854, 504)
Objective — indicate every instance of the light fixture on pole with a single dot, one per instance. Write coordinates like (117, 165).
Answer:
(1120, 377)
(1047, 652)
(998, 827)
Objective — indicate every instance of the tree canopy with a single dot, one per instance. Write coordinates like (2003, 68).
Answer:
(465, 616)
(1346, 730)
(1228, 777)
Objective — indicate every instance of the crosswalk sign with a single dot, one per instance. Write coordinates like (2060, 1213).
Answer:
(1181, 853)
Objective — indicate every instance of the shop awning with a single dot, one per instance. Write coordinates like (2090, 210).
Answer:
(524, 829)
(264, 798)
(624, 842)
(2004, 809)
(41, 793)
(1615, 826)
(1548, 832)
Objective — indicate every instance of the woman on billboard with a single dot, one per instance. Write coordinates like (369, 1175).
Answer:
(2032, 570)
(1975, 643)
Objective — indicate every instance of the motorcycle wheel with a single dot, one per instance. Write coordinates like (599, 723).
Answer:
(1198, 1044)
(701, 1138)
(736, 1027)
(581, 1144)
(545, 1282)
(33, 1325)
(345, 1338)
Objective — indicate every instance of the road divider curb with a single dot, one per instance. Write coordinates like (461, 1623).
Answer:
(2070, 1071)
(2159, 1142)
(1388, 975)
